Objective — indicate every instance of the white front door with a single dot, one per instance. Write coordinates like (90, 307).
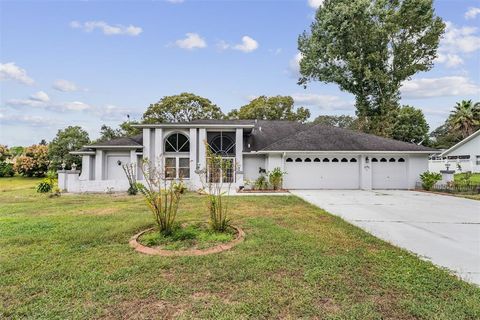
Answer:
(389, 173)
(322, 172)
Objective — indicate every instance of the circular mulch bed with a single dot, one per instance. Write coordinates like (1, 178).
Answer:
(134, 243)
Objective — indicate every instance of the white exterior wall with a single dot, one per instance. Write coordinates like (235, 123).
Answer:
(251, 165)
(274, 160)
(417, 164)
(470, 148)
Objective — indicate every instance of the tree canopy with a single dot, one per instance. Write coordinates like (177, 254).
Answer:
(410, 125)
(465, 118)
(271, 108)
(368, 48)
(69, 139)
(182, 107)
(341, 121)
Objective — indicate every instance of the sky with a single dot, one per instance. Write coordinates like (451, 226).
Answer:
(89, 63)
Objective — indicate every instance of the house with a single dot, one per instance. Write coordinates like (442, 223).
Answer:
(462, 157)
(313, 156)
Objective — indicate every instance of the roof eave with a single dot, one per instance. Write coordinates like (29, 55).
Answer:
(194, 125)
(114, 147)
(345, 151)
(470, 137)
(82, 152)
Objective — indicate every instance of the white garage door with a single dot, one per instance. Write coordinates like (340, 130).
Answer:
(312, 172)
(114, 166)
(389, 173)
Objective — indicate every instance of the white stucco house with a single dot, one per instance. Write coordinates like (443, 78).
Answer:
(462, 157)
(313, 156)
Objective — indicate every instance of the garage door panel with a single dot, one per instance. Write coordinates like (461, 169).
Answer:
(389, 173)
(322, 175)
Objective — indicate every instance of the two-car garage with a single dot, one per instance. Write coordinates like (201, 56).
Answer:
(344, 172)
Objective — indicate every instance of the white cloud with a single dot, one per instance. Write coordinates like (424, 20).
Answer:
(463, 39)
(107, 29)
(324, 102)
(472, 13)
(248, 44)
(64, 85)
(294, 65)
(450, 59)
(191, 41)
(439, 87)
(175, 1)
(74, 106)
(40, 96)
(10, 71)
(315, 3)
(29, 120)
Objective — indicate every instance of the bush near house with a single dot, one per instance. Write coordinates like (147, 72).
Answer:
(6, 169)
(429, 179)
(33, 162)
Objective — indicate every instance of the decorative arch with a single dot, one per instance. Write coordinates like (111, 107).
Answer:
(222, 144)
(298, 160)
(316, 160)
(289, 160)
(383, 160)
(307, 160)
(401, 160)
(374, 160)
(391, 160)
(353, 160)
(334, 160)
(177, 142)
(326, 160)
(344, 160)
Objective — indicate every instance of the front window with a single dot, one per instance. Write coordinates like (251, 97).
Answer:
(177, 142)
(177, 168)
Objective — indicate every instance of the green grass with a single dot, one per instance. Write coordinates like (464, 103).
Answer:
(68, 258)
(192, 236)
(474, 179)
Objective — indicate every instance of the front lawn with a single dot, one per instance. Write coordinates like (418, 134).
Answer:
(68, 258)
(474, 178)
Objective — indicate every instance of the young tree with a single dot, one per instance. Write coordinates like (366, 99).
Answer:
(128, 130)
(69, 139)
(33, 162)
(182, 107)
(368, 48)
(465, 118)
(342, 121)
(108, 133)
(410, 125)
(271, 108)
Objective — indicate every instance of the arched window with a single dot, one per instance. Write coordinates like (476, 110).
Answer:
(308, 160)
(177, 142)
(222, 144)
(383, 160)
(316, 160)
(289, 160)
(391, 160)
(344, 160)
(326, 160)
(353, 160)
(401, 160)
(374, 160)
(334, 160)
(298, 160)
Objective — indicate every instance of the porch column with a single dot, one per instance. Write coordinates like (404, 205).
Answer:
(239, 156)
(194, 179)
(99, 155)
(146, 144)
(365, 172)
(202, 150)
(158, 145)
(133, 160)
(85, 175)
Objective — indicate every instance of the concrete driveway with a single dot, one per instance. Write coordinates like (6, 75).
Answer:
(442, 229)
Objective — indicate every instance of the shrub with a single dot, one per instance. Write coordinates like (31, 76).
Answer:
(6, 169)
(429, 179)
(162, 195)
(275, 178)
(49, 184)
(4, 153)
(261, 183)
(44, 186)
(33, 162)
(129, 170)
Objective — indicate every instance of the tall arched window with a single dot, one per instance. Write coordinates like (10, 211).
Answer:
(223, 145)
(177, 142)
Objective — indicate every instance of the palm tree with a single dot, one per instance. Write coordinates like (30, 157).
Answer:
(465, 118)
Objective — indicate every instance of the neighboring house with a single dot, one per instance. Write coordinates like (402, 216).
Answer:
(313, 156)
(462, 157)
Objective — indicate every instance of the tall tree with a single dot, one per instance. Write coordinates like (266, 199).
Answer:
(410, 125)
(465, 118)
(271, 108)
(182, 107)
(368, 48)
(108, 133)
(341, 121)
(69, 139)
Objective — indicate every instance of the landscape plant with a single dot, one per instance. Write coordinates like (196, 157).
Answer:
(275, 178)
(261, 183)
(33, 162)
(161, 195)
(49, 184)
(429, 179)
(130, 172)
(6, 169)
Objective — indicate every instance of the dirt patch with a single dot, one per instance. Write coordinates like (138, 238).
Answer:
(145, 309)
(134, 243)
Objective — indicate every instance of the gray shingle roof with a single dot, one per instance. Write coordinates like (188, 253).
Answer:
(281, 135)
(326, 138)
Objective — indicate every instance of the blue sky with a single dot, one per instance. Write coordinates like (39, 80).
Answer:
(87, 63)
